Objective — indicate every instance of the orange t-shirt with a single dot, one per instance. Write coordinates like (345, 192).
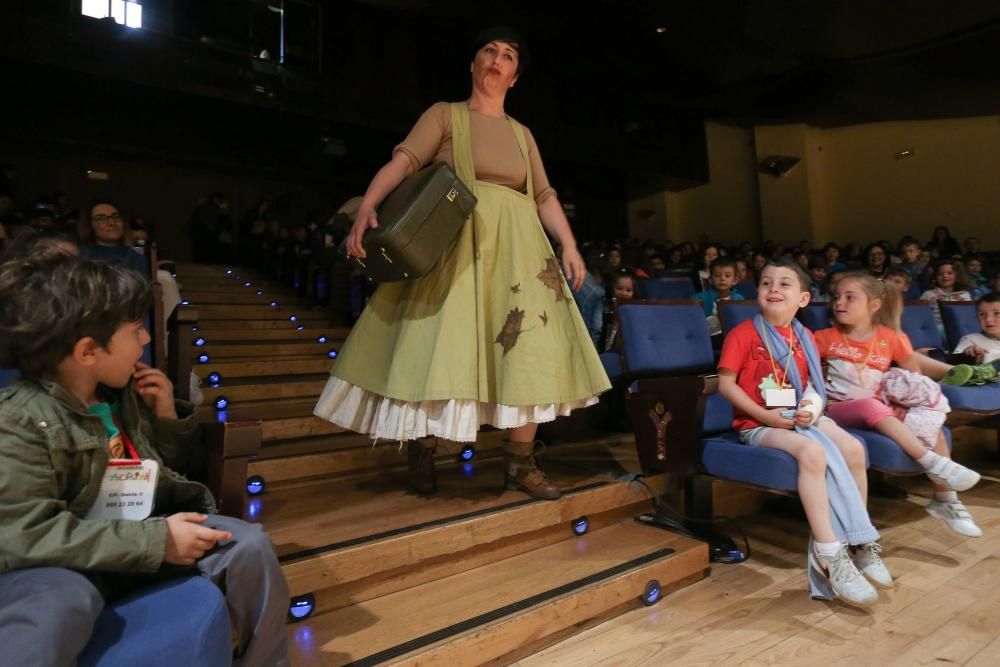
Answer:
(854, 368)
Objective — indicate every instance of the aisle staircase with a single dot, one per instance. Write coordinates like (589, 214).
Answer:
(472, 575)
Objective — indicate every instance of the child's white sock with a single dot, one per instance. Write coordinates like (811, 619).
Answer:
(928, 460)
(946, 496)
(827, 549)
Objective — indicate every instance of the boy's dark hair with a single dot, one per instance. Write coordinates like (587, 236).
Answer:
(896, 271)
(49, 303)
(788, 263)
(989, 297)
(722, 262)
(40, 244)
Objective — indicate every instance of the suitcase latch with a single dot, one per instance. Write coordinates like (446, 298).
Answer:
(385, 256)
(452, 195)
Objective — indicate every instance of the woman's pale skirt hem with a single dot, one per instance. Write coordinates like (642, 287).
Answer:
(362, 411)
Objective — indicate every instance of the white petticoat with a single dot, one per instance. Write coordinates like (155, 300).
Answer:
(361, 411)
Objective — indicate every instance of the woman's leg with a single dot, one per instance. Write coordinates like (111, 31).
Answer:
(853, 451)
(521, 470)
(812, 478)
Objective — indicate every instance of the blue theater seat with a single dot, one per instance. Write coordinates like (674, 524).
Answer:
(959, 319)
(612, 365)
(815, 316)
(919, 324)
(8, 375)
(732, 313)
(666, 288)
(182, 621)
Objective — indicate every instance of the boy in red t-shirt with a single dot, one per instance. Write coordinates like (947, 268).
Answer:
(756, 382)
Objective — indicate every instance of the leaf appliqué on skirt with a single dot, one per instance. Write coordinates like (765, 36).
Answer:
(511, 330)
(551, 277)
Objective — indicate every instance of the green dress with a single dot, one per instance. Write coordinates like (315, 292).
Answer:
(491, 335)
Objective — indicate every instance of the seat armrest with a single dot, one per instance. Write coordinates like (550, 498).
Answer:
(667, 415)
(230, 446)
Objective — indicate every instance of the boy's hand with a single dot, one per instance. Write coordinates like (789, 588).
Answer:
(187, 541)
(976, 352)
(156, 390)
(774, 419)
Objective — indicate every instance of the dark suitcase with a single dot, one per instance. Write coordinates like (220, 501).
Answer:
(416, 224)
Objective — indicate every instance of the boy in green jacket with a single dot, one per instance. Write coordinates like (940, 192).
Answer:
(86, 412)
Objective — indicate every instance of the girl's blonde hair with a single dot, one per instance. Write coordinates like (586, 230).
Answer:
(890, 312)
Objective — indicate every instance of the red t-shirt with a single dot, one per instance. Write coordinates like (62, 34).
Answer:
(744, 353)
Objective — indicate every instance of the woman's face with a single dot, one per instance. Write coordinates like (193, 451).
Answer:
(876, 258)
(495, 67)
(107, 223)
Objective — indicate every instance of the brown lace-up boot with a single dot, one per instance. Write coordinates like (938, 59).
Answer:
(521, 471)
(420, 457)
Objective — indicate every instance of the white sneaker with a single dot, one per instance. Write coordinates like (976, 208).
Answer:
(956, 516)
(953, 475)
(845, 579)
(869, 562)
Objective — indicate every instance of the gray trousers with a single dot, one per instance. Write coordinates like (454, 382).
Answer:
(47, 614)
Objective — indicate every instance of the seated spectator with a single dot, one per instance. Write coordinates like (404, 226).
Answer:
(950, 285)
(876, 260)
(900, 277)
(623, 289)
(984, 346)
(73, 328)
(943, 242)
(104, 235)
(818, 287)
(974, 271)
(709, 253)
(722, 281)
(590, 300)
(910, 251)
(831, 251)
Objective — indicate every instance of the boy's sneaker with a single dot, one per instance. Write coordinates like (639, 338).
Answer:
(983, 373)
(868, 560)
(956, 516)
(958, 376)
(953, 475)
(845, 579)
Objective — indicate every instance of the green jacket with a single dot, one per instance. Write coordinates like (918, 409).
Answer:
(52, 457)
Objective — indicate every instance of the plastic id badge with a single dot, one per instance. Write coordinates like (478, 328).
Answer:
(779, 398)
(128, 488)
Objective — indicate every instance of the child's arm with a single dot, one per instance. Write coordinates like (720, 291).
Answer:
(176, 429)
(740, 400)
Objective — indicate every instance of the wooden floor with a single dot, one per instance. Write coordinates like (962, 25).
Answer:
(943, 609)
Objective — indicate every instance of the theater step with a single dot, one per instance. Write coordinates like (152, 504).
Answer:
(247, 296)
(500, 611)
(228, 334)
(249, 367)
(296, 459)
(332, 533)
(262, 312)
(255, 389)
(264, 350)
(208, 324)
